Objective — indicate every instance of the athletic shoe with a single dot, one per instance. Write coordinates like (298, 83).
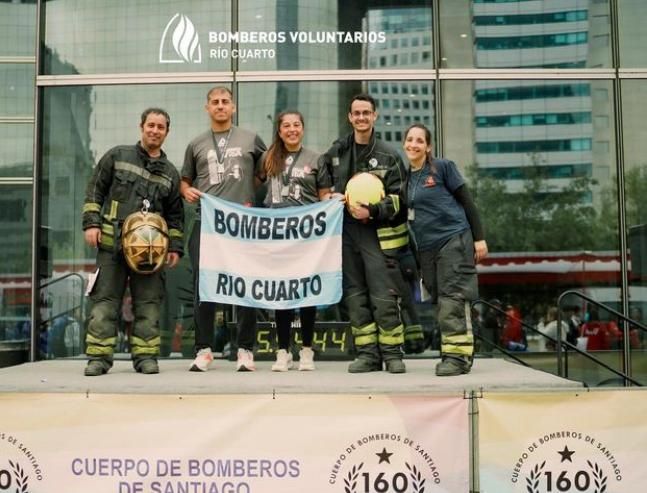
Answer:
(245, 360)
(283, 361)
(306, 359)
(203, 360)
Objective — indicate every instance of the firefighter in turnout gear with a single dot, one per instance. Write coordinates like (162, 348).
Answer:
(370, 230)
(127, 179)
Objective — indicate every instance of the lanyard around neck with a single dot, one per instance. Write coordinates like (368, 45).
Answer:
(221, 158)
(287, 172)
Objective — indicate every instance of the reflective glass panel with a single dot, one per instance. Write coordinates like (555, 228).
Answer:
(333, 34)
(635, 149)
(16, 141)
(540, 162)
(525, 34)
(80, 124)
(633, 38)
(15, 263)
(18, 28)
(16, 89)
(126, 36)
(325, 107)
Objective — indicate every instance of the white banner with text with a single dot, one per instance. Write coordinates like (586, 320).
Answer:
(102, 443)
(270, 258)
(592, 442)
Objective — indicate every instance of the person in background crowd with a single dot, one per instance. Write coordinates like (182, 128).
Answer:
(370, 293)
(224, 161)
(599, 334)
(125, 178)
(574, 321)
(513, 337)
(449, 242)
(548, 326)
(294, 177)
(492, 326)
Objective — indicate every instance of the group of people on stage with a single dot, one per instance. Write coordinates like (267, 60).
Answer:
(426, 207)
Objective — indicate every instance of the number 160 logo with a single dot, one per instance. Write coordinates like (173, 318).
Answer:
(16, 478)
(382, 482)
(564, 482)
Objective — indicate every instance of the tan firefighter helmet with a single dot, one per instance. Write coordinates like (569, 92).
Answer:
(364, 188)
(145, 241)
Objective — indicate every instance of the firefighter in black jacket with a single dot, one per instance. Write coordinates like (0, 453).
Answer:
(126, 178)
(370, 293)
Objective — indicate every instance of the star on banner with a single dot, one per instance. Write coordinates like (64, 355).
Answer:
(566, 454)
(384, 456)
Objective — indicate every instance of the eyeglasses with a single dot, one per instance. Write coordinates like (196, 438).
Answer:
(365, 113)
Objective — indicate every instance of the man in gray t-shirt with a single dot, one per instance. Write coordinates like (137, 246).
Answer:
(224, 162)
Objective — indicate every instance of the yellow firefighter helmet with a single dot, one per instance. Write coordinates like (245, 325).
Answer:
(145, 241)
(364, 188)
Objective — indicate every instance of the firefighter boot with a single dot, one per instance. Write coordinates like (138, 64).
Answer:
(392, 356)
(368, 359)
(452, 365)
(96, 367)
(147, 366)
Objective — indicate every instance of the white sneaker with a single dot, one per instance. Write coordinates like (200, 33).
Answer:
(283, 361)
(203, 360)
(306, 359)
(245, 360)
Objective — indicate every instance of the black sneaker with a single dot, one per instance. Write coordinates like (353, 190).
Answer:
(451, 366)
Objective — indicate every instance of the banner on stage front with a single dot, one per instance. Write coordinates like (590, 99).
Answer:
(246, 443)
(270, 258)
(578, 442)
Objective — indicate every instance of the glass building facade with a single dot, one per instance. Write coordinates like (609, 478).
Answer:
(539, 102)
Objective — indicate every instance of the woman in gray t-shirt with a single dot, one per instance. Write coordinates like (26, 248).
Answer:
(293, 178)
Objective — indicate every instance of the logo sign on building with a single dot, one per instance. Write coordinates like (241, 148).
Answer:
(180, 42)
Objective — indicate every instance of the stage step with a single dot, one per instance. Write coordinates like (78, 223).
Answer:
(330, 377)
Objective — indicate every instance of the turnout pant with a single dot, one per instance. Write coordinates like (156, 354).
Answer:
(204, 312)
(404, 276)
(147, 292)
(370, 294)
(450, 277)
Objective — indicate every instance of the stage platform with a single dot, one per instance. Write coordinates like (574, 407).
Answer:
(330, 377)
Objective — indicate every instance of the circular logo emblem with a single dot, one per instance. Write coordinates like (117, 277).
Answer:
(388, 463)
(19, 468)
(566, 462)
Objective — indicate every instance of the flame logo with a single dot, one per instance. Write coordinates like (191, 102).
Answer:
(184, 41)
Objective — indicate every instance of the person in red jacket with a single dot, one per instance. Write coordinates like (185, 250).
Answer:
(600, 335)
(512, 335)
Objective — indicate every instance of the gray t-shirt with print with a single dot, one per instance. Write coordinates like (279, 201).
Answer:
(224, 164)
(299, 182)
